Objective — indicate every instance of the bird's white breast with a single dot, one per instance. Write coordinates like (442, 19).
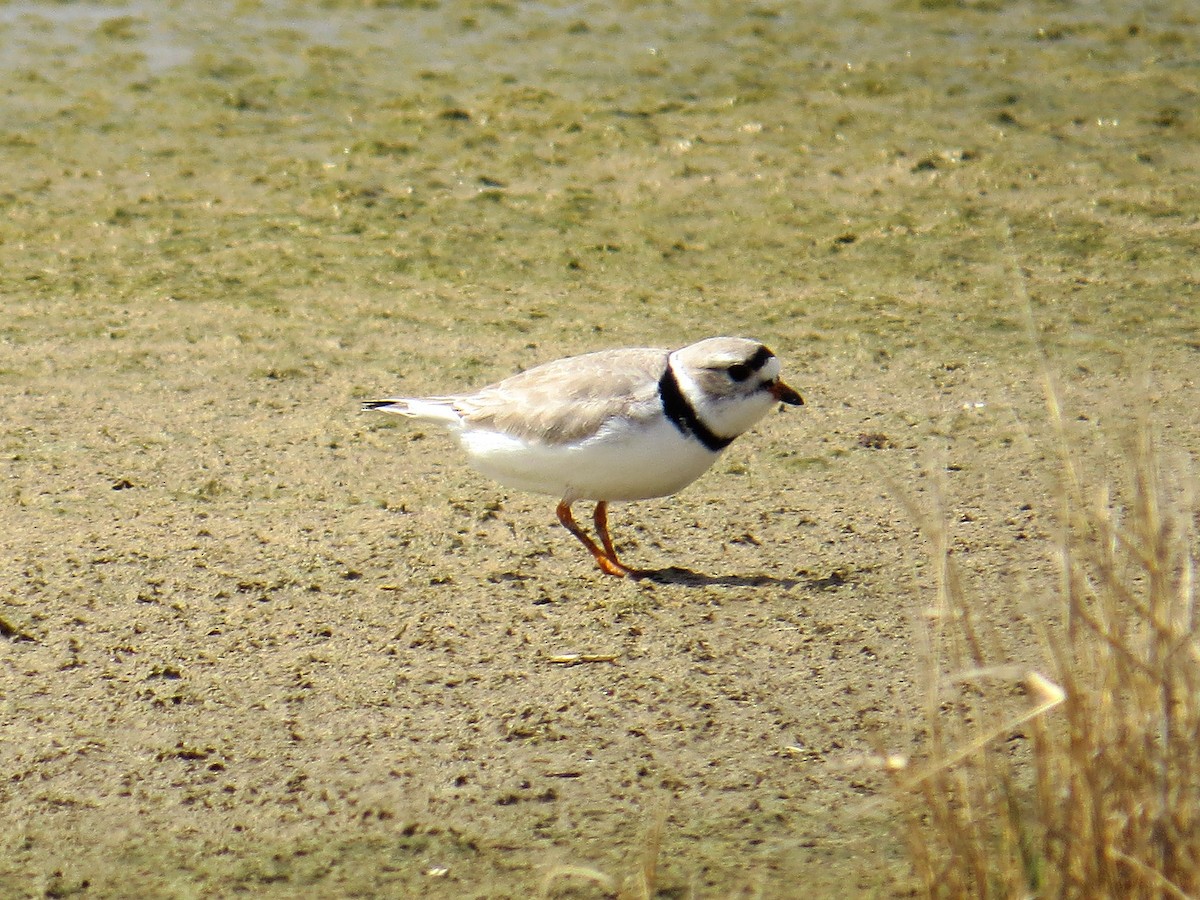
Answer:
(624, 461)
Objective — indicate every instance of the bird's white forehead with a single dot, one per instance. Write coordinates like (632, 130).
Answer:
(721, 351)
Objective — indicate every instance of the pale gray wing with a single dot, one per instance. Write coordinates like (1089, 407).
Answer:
(570, 399)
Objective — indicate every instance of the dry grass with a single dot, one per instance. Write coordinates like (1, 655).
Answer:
(1102, 797)
(641, 884)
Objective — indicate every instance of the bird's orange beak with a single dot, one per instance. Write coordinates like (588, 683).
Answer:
(785, 394)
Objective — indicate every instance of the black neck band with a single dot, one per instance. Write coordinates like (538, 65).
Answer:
(683, 415)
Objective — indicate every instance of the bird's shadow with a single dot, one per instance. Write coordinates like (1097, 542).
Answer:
(688, 578)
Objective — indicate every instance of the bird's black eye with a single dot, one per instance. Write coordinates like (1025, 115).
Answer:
(739, 371)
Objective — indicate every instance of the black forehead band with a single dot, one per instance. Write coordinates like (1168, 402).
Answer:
(759, 359)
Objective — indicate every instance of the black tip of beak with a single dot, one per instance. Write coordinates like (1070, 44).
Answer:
(785, 394)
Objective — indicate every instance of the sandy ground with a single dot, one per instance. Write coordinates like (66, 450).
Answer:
(257, 642)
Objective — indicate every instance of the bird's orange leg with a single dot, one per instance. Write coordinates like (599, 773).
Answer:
(600, 517)
(608, 564)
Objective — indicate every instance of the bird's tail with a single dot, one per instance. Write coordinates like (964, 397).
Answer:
(432, 409)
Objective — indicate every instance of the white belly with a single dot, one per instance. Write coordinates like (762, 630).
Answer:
(624, 463)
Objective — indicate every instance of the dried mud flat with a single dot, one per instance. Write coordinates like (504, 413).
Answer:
(257, 642)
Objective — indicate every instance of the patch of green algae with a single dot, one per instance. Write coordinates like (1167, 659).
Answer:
(675, 162)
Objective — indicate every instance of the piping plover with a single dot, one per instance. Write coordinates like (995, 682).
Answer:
(613, 425)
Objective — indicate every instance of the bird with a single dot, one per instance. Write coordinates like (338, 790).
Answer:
(611, 425)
